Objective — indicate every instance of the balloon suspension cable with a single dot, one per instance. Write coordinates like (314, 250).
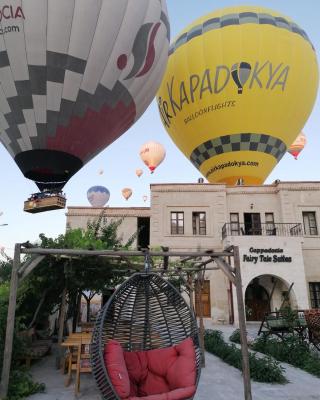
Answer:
(147, 262)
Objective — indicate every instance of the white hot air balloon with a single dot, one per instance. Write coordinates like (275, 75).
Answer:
(152, 154)
(139, 172)
(145, 198)
(98, 196)
(100, 171)
(126, 193)
(70, 70)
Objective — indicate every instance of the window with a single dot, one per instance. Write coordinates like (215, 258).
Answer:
(177, 223)
(252, 224)
(234, 224)
(270, 228)
(199, 223)
(314, 288)
(310, 223)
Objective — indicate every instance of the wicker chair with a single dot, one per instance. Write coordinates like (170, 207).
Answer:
(145, 313)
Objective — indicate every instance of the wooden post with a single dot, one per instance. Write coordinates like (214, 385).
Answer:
(199, 288)
(7, 356)
(242, 326)
(61, 326)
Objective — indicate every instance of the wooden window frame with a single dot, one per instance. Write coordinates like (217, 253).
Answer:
(176, 216)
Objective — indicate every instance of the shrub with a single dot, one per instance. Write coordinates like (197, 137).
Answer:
(261, 369)
(290, 350)
(20, 384)
(235, 336)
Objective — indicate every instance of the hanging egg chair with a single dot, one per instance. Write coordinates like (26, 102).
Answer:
(145, 343)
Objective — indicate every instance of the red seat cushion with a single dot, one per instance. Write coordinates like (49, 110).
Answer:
(182, 372)
(171, 370)
(177, 394)
(117, 369)
(161, 374)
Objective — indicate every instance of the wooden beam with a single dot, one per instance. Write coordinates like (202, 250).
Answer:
(25, 271)
(242, 326)
(123, 253)
(226, 268)
(7, 355)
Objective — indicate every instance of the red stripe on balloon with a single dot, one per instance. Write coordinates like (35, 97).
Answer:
(151, 53)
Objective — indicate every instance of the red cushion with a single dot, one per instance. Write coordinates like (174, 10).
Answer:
(182, 372)
(162, 374)
(137, 367)
(177, 394)
(162, 396)
(116, 367)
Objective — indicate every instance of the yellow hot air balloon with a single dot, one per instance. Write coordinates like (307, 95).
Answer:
(239, 86)
(139, 172)
(152, 154)
(298, 145)
(126, 193)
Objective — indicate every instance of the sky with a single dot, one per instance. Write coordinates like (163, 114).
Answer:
(120, 160)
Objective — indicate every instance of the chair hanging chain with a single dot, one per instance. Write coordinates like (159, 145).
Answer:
(147, 263)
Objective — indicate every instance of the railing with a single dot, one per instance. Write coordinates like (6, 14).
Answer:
(268, 229)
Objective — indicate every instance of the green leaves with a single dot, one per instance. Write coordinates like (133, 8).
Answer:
(290, 350)
(263, 369)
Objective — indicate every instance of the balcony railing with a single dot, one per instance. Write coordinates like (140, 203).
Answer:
(269, 229)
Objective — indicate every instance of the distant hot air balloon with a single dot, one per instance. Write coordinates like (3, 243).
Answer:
(126, 193)
(75, 75)
(139, 172)
(152, 154)
(1, 213)
(145, 198)
(100, 172)
(298, 145)
(229, 99)
(98, 196)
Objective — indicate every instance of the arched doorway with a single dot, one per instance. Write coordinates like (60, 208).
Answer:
(257, 301)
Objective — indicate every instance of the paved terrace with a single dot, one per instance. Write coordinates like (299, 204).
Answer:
(218, 381)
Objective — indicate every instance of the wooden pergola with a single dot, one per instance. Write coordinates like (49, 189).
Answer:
(21, 270)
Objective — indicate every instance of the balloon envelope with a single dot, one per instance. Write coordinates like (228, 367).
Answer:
(126, 193)
(98, 196)
(298, 145)
(139, 172)
(75, 75)
(145, 198)
(239, 86)
(152, 154)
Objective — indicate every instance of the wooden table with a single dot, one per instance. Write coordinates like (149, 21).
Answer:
(78, 351)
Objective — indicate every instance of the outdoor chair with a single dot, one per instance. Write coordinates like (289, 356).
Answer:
(35, 348)
(145, 344)
(280, 323)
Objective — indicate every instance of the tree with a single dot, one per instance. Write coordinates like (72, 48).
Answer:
(44, 286)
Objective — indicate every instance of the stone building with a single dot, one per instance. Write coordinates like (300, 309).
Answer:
(276, 227)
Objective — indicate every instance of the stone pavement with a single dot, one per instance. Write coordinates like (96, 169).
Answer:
(218, 381)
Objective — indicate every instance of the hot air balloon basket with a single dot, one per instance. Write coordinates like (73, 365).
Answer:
(40, 202)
